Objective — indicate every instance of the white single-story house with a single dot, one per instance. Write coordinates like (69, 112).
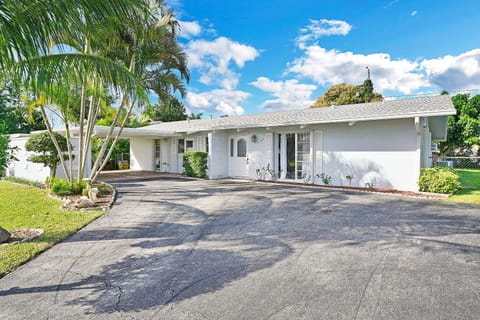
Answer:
(380, 144)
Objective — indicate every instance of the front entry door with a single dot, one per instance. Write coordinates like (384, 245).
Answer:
(238, 156)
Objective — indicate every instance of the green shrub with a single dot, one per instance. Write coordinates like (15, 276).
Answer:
(439, 180)
(78, 187)
(195, 164)
(62, 187)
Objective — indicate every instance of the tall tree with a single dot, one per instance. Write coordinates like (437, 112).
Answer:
(166, 111)
(341, 94)
(463, 127)
(30, 27)
(15, 113)
(145, 45)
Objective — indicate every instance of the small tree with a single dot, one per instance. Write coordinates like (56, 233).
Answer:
(46, 152)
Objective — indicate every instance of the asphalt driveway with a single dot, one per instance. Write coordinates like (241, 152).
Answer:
(185, 249)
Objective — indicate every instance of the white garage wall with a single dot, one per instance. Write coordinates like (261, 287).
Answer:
(380, 152)
(142, 154)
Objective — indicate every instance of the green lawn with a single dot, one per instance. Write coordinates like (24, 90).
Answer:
(28, 207)
(470, 193)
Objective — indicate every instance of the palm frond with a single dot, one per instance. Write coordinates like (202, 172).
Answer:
(43, 73)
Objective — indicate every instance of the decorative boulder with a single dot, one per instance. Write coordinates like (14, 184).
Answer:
(4, 235)
(84, 202)
(92, 194)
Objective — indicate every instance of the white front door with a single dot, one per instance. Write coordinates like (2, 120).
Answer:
(238, 164)
(180, 151)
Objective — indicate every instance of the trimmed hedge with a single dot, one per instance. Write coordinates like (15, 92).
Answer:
(195, 164)
(439, 180)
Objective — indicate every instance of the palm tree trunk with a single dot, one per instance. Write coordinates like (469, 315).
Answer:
(95, 174)
(101, 153)
(69, 147)
(55, 142)
(80, 134)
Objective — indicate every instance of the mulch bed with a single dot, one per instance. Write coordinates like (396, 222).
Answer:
(425, 195)
(24, 235)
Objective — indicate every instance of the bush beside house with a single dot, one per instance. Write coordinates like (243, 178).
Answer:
(195, 164)
(439, 180)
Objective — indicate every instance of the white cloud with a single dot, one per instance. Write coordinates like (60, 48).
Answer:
(391, 3)
(288, 94)
(452, 73)
(189, 29)
(327, 67)
(217, 101)
(320, 28)
(414, 13)
(214, 60)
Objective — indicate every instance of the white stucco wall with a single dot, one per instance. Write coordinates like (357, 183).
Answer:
(22, 168)
(142, 154)
(380, 152)
(387, 154)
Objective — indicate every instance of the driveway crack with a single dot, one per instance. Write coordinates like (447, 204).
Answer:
(362, 298)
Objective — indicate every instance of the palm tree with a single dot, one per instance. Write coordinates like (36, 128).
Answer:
(147, 46)
(114, 43)
(30, 27)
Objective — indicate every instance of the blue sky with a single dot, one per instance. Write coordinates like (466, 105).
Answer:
(256, 56)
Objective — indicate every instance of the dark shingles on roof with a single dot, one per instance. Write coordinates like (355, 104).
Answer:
(393, 109)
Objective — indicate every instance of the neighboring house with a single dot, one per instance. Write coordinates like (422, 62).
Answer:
(384, 144)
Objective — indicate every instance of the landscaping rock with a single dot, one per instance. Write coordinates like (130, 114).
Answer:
(84, 202)
(92, 195)
(4, 235)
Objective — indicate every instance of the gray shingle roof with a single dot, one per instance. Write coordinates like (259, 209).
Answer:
(393, 109)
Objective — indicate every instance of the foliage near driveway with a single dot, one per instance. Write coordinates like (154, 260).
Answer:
(27, 207)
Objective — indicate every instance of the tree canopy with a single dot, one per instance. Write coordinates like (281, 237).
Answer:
(341, 94)
(166, 111)
(463, 127)
(15, 114)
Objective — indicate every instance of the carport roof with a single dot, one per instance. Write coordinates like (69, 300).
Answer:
(393, 109)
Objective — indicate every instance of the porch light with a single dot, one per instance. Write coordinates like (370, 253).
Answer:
(254, 138)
